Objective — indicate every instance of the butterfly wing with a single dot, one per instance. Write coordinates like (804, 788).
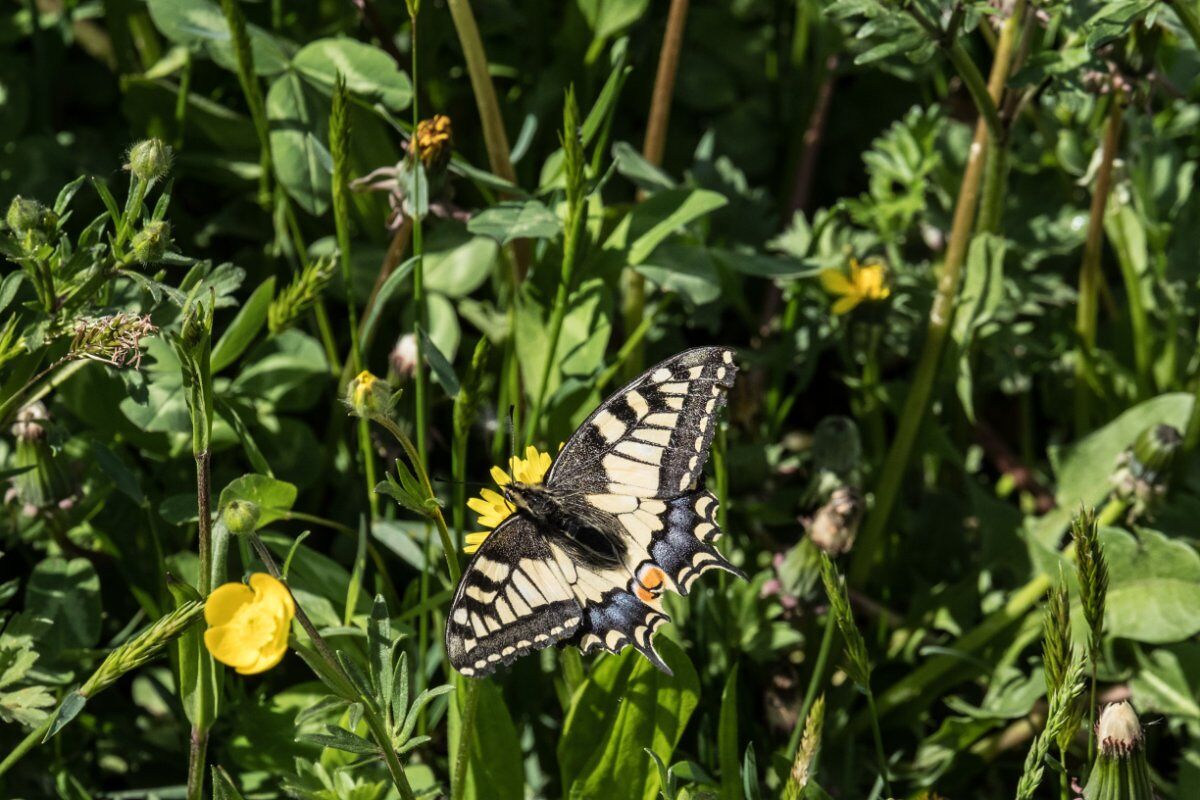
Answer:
(635, 466)
(651, 438)
(512, 600)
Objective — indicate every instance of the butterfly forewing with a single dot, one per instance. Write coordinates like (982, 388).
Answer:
(650, 439)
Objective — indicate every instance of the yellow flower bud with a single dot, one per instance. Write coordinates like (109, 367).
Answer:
(248, 625)
(367, 396)
(432, 142)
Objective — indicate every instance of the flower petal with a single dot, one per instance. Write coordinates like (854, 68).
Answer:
(474, 540)
(229, 645)
(846, 304)
(835, 282)
(225, 601)
(270, 590)
(500, 477)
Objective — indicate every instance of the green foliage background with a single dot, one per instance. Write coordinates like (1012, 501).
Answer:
(1024, 172)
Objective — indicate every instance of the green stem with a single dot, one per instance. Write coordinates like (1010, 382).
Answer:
(371, 716)
(815, 681)
(1086, 311)
(32, 739)
(438, 519)
(421, 379)
(185, 87)
(995, 179)
(985, 100)
(869, 551)
(494, 137)
(878, 737)
(197, 748)
(1139, 325)
(465, 731)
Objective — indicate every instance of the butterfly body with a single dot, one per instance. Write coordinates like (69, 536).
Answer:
(621, 517)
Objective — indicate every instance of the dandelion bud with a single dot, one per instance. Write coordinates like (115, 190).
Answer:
(43, 483)
(432, 142)
(403, 357)
(835, 525)
(197, 326)
(151, 242)
(241, 517)
(150, 159)
(368, 396)
(1120, 770)
(1156, 447)
(1142, 470)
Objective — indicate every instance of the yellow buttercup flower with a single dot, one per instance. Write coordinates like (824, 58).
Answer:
(491, 506)
(866, 282)
(248, 625)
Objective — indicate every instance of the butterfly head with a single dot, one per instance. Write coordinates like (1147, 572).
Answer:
(532, 498)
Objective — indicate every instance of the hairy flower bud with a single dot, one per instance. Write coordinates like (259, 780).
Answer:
(241, 517)
(42, 484)
(367, 396)
(151, 242)
(1120, 770)
(150, 159)
(1143, 470)
(33, 222)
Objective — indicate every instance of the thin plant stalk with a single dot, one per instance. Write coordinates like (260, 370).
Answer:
(652, 150)
(31, 740)
(941, 316)
(420, 378)
(375, 723)
(494, 137)
(1087, 309)
(815, 681)
(465, 732)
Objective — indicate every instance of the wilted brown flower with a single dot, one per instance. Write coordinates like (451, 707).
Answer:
(432, 142)
(115, 339)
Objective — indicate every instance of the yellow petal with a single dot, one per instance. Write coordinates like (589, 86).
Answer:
(228, 645)
(500, 477)
(494, 499)
(271, 590)
(225, 601)
(835, 282)
(474, 540)
(846, 304)
(269, 655)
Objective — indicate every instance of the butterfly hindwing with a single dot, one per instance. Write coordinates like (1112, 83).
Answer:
(651, 438)
(512, 600)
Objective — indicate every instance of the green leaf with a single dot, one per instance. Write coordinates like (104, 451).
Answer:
(379, 650)
(727, 739)
(341, 739)
(649, 223)
(274, 497)
(369, 72)
(495, 769)
(510, 220)
(223, 786)
(68, 594)
(625, 706)
(684, 269)
(1168, 682)
(389, 288)
(1154, 587)
(70, 707)
(299, 121)
(582, 341)
(630, 163)
(245, 326)
(200, 23)
(456, 263)
(443, 372)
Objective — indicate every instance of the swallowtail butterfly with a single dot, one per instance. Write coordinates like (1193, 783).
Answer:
(621, 516)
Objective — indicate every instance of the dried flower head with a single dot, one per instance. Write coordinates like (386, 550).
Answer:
(835, 525)
(1120, 771)
(115, 339)
(432, 142)
(1119, 731)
